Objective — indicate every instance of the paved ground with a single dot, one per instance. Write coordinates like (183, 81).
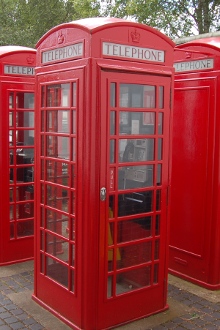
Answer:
(190, 307)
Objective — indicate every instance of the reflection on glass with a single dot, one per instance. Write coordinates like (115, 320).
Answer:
(42, 95)
(112, 151)
(11, 212)
(135, 203)
(134, 123)
(74, 95)
(74, 122)
(134, 229)
(113, 95)
(158, 200)
(25, 228)
(73, 149)
(111, 206)
(109, 288)
(57, 197)
(137, 96)
(57, 271)
(156, 249)
(112, 122)
(24, 137)
(57, 247)
(161, 97)
(159, 174)
(25, 100)
(110, 233)
(57, 172)
(72, 246)
(24, 119)
(58, 95)
(130, 257)
(58, 121)
(160, 123)
(136, 150)
(160, 148)
(135, 176)
(11, 121)
(133, 280)
(156, 273)
(72, 284)
(11, 101)
(56, 222)
(58, 146)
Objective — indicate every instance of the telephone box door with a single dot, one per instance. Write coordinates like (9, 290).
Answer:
(18, 198)
(135, 117)
(58, 193)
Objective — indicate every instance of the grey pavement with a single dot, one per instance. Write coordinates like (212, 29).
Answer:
(190, 306)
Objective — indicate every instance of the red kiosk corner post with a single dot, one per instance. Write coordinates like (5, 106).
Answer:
(195, 194)
(17, 83)
(103, 153)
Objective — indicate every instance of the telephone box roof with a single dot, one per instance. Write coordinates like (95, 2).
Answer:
(212, 42)
(93, 24)
(5, 50)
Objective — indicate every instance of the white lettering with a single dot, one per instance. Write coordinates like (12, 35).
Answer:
(139, 53)
(197, 65)
(19, 70)
(64, 53)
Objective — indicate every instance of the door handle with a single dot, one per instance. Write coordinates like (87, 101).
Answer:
(103, 194)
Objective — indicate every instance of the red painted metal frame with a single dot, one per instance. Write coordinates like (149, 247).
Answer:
(80, 306)
(17, 245)
(195, 198)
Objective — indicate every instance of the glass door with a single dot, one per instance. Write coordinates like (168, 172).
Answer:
(58, 212)
(134, 180)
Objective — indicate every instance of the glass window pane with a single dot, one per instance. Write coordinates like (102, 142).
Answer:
(57, 271)
(57, 247)
(135, 203)
(137, 96)
(58, 121)
(112, 122)
(58, 147)
(24, 137)
(133, 280)
(135, 176)
(160, 123)
(112, 151)
(57, 172)
(25, 228)
(161, 97)
(135, 254)
(136, 150)
(24, 119)
(134, 229)
(25, 100)
(134, 123)
(113, 95)
(57, 222)
(58, 95)
(74, 95)
(11, 101)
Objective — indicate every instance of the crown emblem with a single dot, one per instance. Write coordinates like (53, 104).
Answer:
(135, 36)
(60, 37)
(30, 59)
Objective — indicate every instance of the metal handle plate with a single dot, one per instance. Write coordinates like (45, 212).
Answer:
(103, 194)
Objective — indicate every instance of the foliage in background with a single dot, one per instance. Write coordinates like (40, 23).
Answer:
(176, 18)
(24, 22)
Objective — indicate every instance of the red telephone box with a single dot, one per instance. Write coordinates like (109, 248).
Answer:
(103, 142)
(17, 83)
(195, 195)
